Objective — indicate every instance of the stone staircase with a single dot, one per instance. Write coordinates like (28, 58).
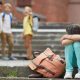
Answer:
(47, 36)
(18, 70)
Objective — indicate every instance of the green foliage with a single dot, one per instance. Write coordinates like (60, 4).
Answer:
(12, 74)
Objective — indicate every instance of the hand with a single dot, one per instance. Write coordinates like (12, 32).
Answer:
(64, 37)
(66, 42)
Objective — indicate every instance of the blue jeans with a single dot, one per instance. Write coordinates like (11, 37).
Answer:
(72, 56)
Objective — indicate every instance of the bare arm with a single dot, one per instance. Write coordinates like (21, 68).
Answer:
(66, 42)
(75, 37)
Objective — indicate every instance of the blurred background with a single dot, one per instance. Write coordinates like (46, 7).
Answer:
(53, 10)
(55, 16)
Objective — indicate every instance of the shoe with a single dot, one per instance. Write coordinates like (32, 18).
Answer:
(5, 58)
(77, 76)
(12, 58)
(68, 76)
(35, 76)
(35, 54)
(29, 57)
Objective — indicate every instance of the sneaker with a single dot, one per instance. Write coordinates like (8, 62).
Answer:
(68, 76)
(12, 58)
(77, 76)
(5, 58)
(29, 57)
(37, 75)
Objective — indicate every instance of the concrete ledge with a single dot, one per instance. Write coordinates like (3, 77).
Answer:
(24, 78)
(14, 63)
(14, 68)
(15, 71)
(42, 30)
(18, 70)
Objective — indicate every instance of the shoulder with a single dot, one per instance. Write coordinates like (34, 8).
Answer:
(11, 14)
(26, 18)
(2, 13)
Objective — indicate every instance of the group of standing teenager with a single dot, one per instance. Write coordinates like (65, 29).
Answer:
(7, 11)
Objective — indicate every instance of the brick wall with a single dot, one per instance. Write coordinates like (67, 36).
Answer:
(74, 11)
(23, 3)
(54, 10)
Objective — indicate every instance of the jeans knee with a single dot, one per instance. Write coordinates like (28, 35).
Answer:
(70, 46)
(77, 45)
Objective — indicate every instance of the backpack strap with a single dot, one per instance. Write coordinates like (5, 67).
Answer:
(3, 16)
(10, 17)
(29, 22)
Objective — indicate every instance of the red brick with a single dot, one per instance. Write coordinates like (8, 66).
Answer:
(23, 3)
(54, 10)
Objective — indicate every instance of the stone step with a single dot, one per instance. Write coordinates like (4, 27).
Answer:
(24, 78)
(55, 25)
(48, 36)
(18, 70)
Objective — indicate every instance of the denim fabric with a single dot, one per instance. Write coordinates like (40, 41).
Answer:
(72, 56)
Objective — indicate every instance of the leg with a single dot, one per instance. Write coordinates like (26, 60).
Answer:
(74, 63)
(69, 53)
(3, 45)
(10, 43)
(29, 52)
(77, 53)
(28, 46)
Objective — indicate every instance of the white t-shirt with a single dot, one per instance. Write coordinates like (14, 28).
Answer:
(0, 21)
(6, 24)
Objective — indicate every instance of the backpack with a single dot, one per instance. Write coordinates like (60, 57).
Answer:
(3, 16)
(48, 64)
(35, 25)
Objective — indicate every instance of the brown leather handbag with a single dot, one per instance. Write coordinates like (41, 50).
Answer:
(48, 64)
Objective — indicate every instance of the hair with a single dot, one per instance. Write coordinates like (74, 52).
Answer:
(27, 8)
(74, 29)
(8, 4)
(1, 3)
